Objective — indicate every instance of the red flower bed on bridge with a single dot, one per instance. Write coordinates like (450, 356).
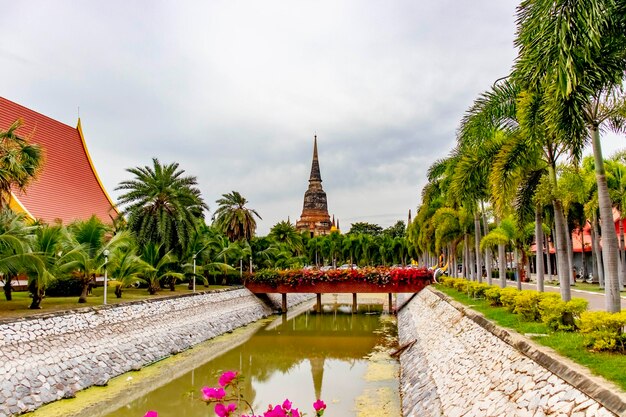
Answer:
(382, 277)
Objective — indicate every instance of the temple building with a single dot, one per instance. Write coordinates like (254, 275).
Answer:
(68, 187)
(315, 218)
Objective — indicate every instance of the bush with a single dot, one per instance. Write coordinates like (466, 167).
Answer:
(507, 297)
(604, 331)
(527, 305)
(64, 287)
(560, 315)
(477, 290)
(460, 285)
(493, 296)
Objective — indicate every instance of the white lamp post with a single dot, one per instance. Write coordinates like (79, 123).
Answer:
(194, 272)
(106, 260)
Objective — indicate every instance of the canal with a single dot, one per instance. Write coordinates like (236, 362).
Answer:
(338, 356)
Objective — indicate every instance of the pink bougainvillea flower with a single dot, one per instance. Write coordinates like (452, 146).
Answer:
(222, 410)
(319, 405)
(295, 412)
(151, 414)
(286, 404)
(227, 377)
(275, 412)
(209, 393)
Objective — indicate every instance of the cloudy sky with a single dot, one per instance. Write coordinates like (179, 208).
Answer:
(235, 90)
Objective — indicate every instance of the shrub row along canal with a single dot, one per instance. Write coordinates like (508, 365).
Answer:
(340, 357)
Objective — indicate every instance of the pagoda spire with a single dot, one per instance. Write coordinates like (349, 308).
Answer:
(315, 165)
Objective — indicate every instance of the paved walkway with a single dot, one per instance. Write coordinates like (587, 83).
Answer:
(596, 299)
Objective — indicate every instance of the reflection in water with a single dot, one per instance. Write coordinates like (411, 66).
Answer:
(308, 357)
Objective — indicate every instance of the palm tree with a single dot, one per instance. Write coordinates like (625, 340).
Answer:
(127, 267)
(574, 52)
(46, 245)
(284, 232)
(85, 249)
(233, 218)
(161, 267)
(20, 161)
(12, 224)
(163, 206)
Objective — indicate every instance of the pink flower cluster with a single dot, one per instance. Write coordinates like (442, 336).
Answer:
(219, 396)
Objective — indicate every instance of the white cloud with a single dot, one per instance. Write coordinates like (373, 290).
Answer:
(234, 91)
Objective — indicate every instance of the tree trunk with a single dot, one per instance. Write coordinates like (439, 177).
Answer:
(609, 237)
(548, 257)
(118, 291)
(518, 269)
(622, 261)
(488, 254)
(539, 252)
(36, 293)
(570, 253)
(477, 233)
(502, 265)
(466, 273)
(7, 287)
(561, 241)
(83, 294)
(597, 251)
(583, 273)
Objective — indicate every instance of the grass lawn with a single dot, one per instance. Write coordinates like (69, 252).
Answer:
(18, 307)
(611, 366)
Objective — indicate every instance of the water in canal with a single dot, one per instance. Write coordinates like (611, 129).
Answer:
(340, 357)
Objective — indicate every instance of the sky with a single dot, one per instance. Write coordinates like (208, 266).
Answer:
(234, 91)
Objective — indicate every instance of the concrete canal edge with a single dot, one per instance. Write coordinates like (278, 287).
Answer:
(53, 356)
(457, 363)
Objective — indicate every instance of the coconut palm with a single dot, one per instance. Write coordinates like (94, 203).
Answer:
(46, 244)
(13, 224)
(574, 53)
(162, 267)
(233, 218)
(127, 268)
(284, 232)
(20, 161)
(84, 251)
(163, 205)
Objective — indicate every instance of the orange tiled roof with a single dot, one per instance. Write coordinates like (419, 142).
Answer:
(68, 187)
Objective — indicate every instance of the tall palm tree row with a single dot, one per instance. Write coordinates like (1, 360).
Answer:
(565, 87)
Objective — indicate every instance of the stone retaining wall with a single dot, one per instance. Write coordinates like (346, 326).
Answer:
(45, 358)
(462, 365)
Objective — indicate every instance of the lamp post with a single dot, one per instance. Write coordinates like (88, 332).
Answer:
(194, 272)
(106, 261)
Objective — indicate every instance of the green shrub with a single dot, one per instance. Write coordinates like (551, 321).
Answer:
(604, 331)
(493, 296)
(560, 315)
(527, 305)
(477, 290)
(460, 285)
(64, 286)
(507, 297)
(446, 281)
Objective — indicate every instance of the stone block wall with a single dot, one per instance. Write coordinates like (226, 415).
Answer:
(45, 358)
(454, 365)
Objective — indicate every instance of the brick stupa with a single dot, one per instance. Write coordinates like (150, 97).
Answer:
(315, 218)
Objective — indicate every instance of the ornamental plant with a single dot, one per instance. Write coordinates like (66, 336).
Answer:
(226, 397)
(378, 276)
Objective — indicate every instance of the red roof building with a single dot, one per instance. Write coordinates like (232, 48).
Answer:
(68, 187)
